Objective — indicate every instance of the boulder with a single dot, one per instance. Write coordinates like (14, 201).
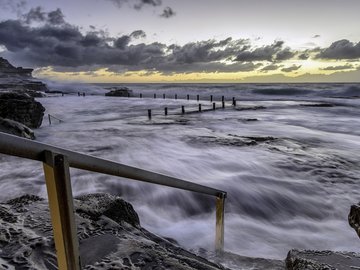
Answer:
(109, 233)
(119, 92)
(21, 108)
(322, 260)
(354, 218)
(16, 128)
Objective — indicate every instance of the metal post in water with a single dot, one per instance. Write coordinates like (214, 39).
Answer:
(197, 98)
(188, 97)
(166, 111)
(149, 114)
(182, 109)
(58, 184)
(214, 105)
(49, 119)
(154, 95)
(223, 104)
(140, 95)
(222, 98)
(219, 236)
(175, 96)
(199, 107)
(211, 98)
(234, 102)
(163, 96)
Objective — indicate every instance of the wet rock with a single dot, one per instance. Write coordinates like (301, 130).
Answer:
(16, 128)
(354, 218)
(119, 92)
(318, 105)
(96, 205)
(232, 140)
(8, 70)
(322, 260)
(235, 261)
(21, 108)
(18, 78)
(109, 233)
(253, 108)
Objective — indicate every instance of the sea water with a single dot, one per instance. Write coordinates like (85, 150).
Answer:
(287, 155)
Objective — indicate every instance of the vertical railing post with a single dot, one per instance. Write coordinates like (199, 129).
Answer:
(57, 176)
(49, 119)
(219, 237)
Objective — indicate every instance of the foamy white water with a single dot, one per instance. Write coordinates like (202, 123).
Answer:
(292, 189)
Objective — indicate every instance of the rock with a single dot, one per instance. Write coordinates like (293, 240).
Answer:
(354, 218)
(16, 128)
(21, 108)
(96, 205)
(8, 70)
(18, 78)
(232, 140)
(322, 260)
(110, 237)
(119, 92)
(318, 105)
(235, 261)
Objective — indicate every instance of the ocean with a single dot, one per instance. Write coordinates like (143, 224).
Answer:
(287, 154)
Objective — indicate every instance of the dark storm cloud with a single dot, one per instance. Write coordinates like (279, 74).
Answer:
(153, 3)
(16, 6)
(290, 69)
(64, 46)
(270, 53)
(56, 17)
(303, 56)
(167, 13)
(138, 3)
(37, 14)
(341, 49)
(348, 66)
(138, 34)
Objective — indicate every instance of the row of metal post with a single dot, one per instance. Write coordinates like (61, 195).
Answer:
(188, 97)
(200, 108)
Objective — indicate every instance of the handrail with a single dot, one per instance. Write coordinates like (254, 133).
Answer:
(57, 161)
(20, 147)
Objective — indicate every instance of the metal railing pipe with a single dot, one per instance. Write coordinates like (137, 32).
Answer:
(16, 146)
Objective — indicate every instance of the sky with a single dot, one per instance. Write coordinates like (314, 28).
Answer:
(184, 40)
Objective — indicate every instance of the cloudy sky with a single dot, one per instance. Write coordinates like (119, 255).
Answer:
(184, 40)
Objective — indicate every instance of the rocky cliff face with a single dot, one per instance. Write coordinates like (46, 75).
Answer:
(18, 110)
(21, 108)
(18, 78)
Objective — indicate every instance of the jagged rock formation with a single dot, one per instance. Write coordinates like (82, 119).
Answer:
(354, 218)
(21, 108)
(18, 78)
(119, 92)
(322, 260)
(8, 70)
(16, 128)
(109, 233)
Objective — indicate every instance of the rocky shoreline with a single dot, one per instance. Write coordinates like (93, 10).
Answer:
(19, 111)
